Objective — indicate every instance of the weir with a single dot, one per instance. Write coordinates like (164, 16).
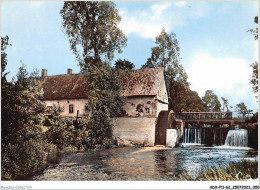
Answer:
(215, 137)
(237, 138)
(192, 135)
(206, 128)
(209, 128)
(205, 135)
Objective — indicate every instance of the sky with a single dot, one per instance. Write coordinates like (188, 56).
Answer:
(216, 49)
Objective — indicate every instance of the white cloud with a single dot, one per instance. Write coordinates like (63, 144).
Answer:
(228, 75)
(142, 27)
(146, 23)
(158, 10)
(180, 3)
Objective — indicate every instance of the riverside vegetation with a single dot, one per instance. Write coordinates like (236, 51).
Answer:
(234, 171)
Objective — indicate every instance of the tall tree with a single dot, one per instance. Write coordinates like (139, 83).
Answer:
(124, 65)
(6, 95)
(92, 30)
(211, 101)
(241, 108)
(94, 37)
(224, 104)
(104, 102)
(22, 110)
(167, 54)
(254, 80)
(4, 44)
(21, 126)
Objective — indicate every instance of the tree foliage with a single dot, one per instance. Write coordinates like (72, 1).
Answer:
(92, 30)
(148, 64)
(241, 109)
(224, 104)
(104, 103)
(211, 101)
(92, 27)
(4, 44)
(184, 99)
(124, 65)
(254, 80)
(22, 144)
(22, 110)
(255, 31)
(167, 54)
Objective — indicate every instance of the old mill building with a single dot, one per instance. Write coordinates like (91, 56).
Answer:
(146, 96)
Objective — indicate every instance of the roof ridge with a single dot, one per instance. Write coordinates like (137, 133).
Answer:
(66, 74)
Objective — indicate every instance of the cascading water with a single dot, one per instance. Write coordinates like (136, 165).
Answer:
(192, 135)
(237, 138)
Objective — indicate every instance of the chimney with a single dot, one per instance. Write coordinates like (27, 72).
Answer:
(44, 73)
(69, 71)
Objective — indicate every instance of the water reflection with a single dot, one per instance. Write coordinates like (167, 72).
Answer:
(142, 163)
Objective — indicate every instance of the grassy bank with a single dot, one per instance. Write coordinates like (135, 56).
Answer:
(235, 171)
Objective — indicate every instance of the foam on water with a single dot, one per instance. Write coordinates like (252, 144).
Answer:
(237, 138)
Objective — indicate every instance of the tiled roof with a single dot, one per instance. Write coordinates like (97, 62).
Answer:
(58, 87)
(73, 86)
(141, 82)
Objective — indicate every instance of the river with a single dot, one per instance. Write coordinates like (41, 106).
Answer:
(146, 163)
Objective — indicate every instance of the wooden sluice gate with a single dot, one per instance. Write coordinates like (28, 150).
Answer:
(210, 118)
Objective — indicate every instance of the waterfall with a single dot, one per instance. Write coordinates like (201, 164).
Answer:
(238, 137)
(192, 135)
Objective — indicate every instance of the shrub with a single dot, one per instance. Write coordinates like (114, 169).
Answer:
(24, 159)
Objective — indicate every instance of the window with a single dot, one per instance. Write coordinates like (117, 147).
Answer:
(71, 110)
(86, 108)
(49, 108)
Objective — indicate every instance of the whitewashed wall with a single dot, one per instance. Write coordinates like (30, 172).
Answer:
(162, 94)
(140, 106)
(78, 104)
(161, 106)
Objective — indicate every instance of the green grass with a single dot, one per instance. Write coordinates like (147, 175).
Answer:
(235, 171)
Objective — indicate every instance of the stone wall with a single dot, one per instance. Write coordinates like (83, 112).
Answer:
(139, 130)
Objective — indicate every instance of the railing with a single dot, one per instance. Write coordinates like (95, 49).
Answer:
(205, 115)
